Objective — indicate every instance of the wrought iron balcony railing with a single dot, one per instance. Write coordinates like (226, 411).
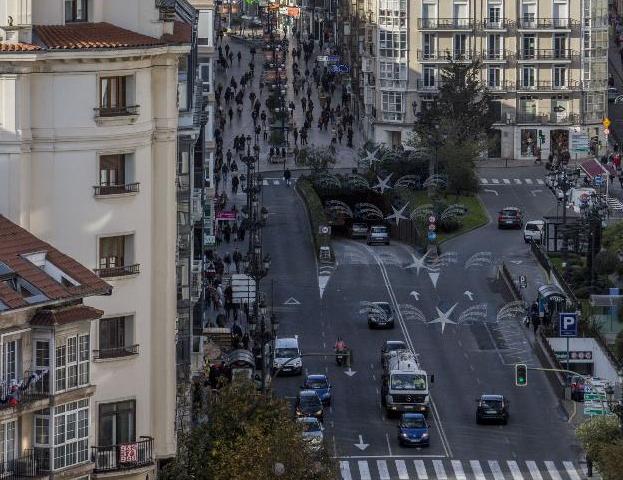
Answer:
(118, 271)
(123, 456)
(103, 190)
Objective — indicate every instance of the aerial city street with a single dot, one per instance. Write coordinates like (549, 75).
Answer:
(329, 240)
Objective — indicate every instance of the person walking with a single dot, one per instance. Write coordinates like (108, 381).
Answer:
(228, 154)
(295, 134)
(227, 262)
(237, 258)
(225, 172)
(287, 175)
(234, 183)
(239, 57)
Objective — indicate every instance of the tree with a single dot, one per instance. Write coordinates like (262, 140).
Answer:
(596, 432)
(317, 159)
(249, 435)
(611, 460)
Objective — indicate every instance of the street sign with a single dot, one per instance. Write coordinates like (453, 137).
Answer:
(325, 229)
(594, 411)
(568, 325)
(432, 236)
(432, 227)
(579, 142)
(432, 219)
(598, 180)
(523, 281)
(322, 58)
(606, 122)
(589, 397)
(606, 131)
(333, 58)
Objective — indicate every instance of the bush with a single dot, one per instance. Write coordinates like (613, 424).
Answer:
(315, 209)
(452, 224)
(606, 262)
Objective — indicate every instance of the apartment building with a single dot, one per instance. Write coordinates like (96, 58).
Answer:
(47, 383)
(92, 115)
(544, 61)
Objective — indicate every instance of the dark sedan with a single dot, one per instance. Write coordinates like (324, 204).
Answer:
(510, 217)
(320, 384)
(308, 404)
(413, 430)
(492, 408)
(359, 230)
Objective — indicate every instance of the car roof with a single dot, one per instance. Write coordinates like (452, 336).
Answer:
(535, 222)
(511, 208)
(316, 377)
(308, 393)
(491, 397)
(395, 342)
(380, 303)
(308, 420)
(413, 415)
(286, 342)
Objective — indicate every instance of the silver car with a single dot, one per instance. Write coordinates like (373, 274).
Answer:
(312, 432)
(378, 234)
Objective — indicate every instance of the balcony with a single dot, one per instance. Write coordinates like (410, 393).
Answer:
(123, 271)
(503, 86)
(445, 24)
(528, 23)
(428, 86)
(116, 352)
(106, 190)
(548, 86)
(555, 118)
(123, 456)
(33, 386)
(493, 55)
(122, 115)
(31, 464)
(446, 56)
(495, 24)
(545, 54)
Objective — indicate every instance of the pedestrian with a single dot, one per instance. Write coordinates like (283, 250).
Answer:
(287, 175)
(227, 233)
(621, 180)
(589, 466)
(234, 232)
(237, 258)
(227, 49)
(349, 134)
(227, 262)
(295, 134)
(535, 324)
(265, 134)
(304, 104)
(225, 172)
(230, 112)
(239, 57)
(234, 183)
(228, 154)
(340, 134)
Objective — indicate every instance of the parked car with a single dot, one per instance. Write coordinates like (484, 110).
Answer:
(613, 93)
(389, 347)
(359, 230)
(320, 384)
(413, 430)
(312, 432)
(308, 404)
(378, 234)
(492, 408)
(380, 315)
(533, 231)
(510, 217)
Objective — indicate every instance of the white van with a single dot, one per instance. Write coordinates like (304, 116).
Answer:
(533, 231)
(287, 350)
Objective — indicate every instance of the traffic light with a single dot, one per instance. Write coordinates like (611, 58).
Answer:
(521, 375)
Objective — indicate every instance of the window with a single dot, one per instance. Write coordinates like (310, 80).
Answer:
(117, 423)
(494, 11)
(560, 76)
(71, 434)
(428, 74)
(528, 46)
(206, 77)
(112, 170)
(75, 11)
(8, 441)
(42, 354)
(460, 46)
(494, 46)
(430, 46)
(115, 337)
(392, 103)
(183, 98)
(72, 362)
(528, 14)
(528, 77)
(393, 44)
(113, 95)
(10, 361)
(461, 18)
(116, 256)
(429, 15)
(393, 75)
(494, 75)
(561, 13)
(527, 109)
(560, 45)
(393, 14)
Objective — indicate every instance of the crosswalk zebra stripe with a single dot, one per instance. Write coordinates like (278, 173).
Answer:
(496, 470)
(534, 470)
(506, 181)
(551, 468)
(573, 475)
(515, 471)
(528, 181)
(383, 471)
(364, 471)
(517, 181)
(265, 182)
(457, 466)
(276, 182)
(484, 180)
(401, 466)
(439, 470)
(345, 470)
(540, 182)
(420, 469)
(477, 469)
(495, 180)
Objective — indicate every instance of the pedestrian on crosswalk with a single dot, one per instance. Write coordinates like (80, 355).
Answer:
(287, 175)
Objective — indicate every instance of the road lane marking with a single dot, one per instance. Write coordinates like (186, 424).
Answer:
(401, 466)
(517, 181)
(496, 470)
(420, 469)
(364, 471)
(345, 470)
(573, 475)
(383, 471)
(528, 181)
(506, 181)
(439, 470)
(477, 469)
(389, 446)
(457, 466)
(484, 181)
(495, 180)
(265, 182)
(540, 182)
(553, 472)
(515, 471)
(534, 470)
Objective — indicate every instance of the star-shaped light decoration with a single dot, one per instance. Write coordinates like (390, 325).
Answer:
(383, 184)
(444, 318)
(397, 215)
(419, 263)
(370, 157)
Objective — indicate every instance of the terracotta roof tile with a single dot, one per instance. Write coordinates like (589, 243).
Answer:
(18, 47)
(15, 241)
(182, 33)
(64, 315)
(90, 36)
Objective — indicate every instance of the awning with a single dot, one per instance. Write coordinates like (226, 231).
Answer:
(593, 168)
(552, 292)
(240, 358)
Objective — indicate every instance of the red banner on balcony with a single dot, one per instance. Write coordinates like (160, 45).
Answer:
(294, 12)
(128, 453)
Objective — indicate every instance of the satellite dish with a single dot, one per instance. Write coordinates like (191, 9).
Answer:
(618, 100)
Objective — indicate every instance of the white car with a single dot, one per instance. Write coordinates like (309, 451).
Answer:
(533, 231)
(287, 356)
(312, 432)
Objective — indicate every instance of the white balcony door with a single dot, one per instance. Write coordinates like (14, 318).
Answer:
(528, 13)
(495, 14)
(429, 43)
(494, 45)
(460, 45)
(528, 75)
(561, 13)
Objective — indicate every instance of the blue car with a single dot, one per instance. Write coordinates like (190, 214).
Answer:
(413, 430)
(320, 384)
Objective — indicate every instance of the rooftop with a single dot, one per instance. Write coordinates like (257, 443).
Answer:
(34, 272)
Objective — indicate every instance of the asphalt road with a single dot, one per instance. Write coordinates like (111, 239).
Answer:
(468, 358)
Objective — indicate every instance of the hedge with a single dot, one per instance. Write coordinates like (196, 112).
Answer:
(315, 210)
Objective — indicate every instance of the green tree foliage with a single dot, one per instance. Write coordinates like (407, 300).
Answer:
(248, 436)
(618, 344)
(611, 460)
(606, 262)
(317, 159)
(597, 432)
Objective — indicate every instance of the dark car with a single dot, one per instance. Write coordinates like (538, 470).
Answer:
(378, 234)
(380, 315)
(413, 430)
(389, 347)
(492, 408)
(308, 404)
(359, 230)
(320, 384)
(510, 217)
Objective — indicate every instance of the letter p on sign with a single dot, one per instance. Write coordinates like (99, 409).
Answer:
(568, 325)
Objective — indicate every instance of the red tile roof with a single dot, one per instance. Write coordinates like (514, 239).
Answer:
(182, 33)
(15, 242)
(61, 316)
(90, 35)
(18, 47)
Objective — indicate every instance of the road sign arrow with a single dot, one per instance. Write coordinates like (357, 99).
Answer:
(534, 192)
(517, 262)
(415, 294)
(350, 372)
(434, 276)
(361, 446)
(491, 191)
(291, 301)
(469, 295)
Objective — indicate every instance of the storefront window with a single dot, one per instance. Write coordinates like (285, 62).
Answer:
(528, 142)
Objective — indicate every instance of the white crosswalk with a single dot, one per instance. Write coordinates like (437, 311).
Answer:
(615, 203)
(446, 469)
(277, 181)
(511, 181)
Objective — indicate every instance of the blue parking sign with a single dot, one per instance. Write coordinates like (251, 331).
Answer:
(568, 325)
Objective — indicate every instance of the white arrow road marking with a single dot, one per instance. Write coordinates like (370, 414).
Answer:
(469, 295)
(362, 446)
(291, 301)
(534, 192)
(350, 372)
(322, 283)
(434, 276)
(516, 262)
(491, 191)
(415, 294)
